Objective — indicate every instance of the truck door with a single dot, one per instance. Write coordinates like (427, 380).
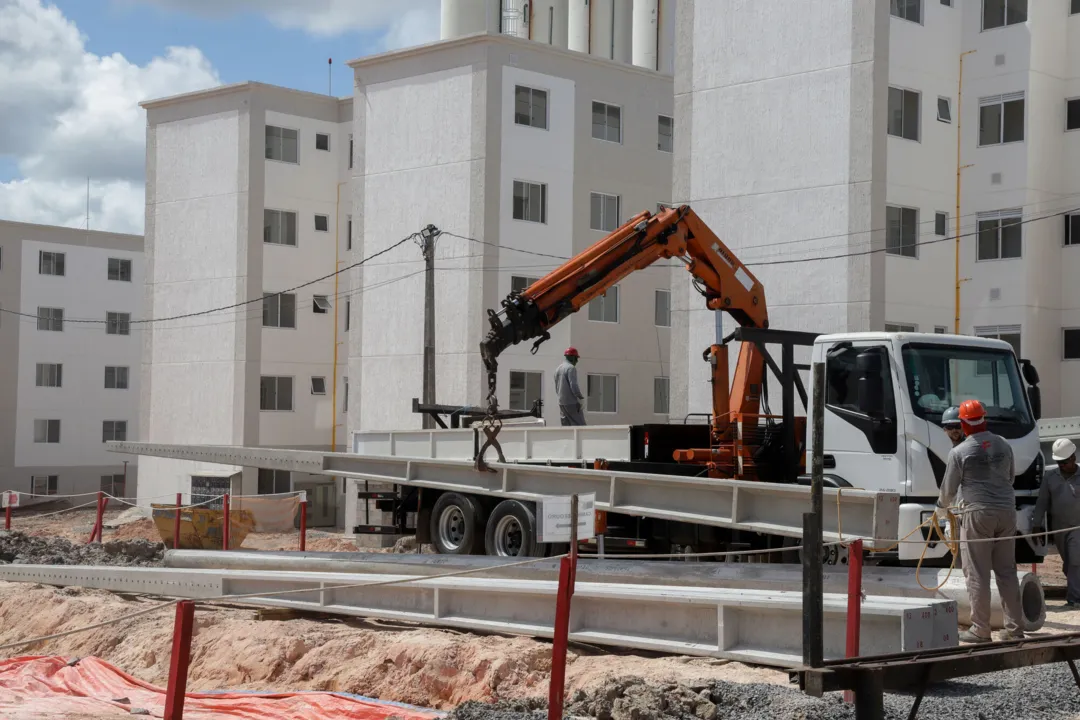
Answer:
(862, 433)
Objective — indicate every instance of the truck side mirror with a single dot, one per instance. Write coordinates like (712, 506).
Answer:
(1031, 375)
(1035, 397)
(871, 387)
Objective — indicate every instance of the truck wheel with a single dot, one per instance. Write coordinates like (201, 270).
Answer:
(456, 523)
(511, 531)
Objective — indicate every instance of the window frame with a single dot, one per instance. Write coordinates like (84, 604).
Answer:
(117, 426)
(532, 107)
(948, 110)
(43, 372)
(995, 332)
(941, 330)
(660, 132)
(322, 135)
(48, 431)
(324, 217)
(903, 107)
(117, 323)
(588, 396)
(109, 484)
(618, 210)
(901, 246)
(941, 214)
(607, 121)
(315, 379)
(1005, 17)
(1001, 101)
(999, 217)
(267, 297)
(51, 483)
(656, 307)
(603, 306)
(57, 260)
(667, 394)
(266, 144)
(1072, 222)
(121, 264)
(918, 4)
(53, 322)
(1064, 344)
(528, 185)
(525, 376)
(901, 327)
(263, 396)
(116, 377)
(1072, 100)
(529, 280)
(348, 232)
(281, 227)
(322, 308)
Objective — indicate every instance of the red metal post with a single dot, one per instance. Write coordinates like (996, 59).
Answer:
(303, 526)
(854, 604)
(95, 532)
(181, 656)
(7, 516)
(176, 525)
(225, 523)
(565, 593)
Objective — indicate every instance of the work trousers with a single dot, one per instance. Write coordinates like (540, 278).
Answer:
(571, 414)
(1068, 546)
(980, 558)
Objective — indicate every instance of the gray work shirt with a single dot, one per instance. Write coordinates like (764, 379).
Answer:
(1060, 496)
(566, 385)
(983, 467)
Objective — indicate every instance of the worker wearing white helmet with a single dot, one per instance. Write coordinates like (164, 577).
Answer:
(1059, 496)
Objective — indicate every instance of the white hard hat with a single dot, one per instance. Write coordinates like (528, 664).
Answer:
(1063, 449)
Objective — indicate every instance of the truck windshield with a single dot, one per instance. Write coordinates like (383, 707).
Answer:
(940, 376)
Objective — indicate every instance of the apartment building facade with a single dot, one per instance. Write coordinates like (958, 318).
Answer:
(69, 358)
(886, 119)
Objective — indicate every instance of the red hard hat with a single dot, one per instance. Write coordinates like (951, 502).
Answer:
(571, 352)
(972, 412)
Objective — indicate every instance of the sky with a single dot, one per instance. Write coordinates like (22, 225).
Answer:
(74, 71)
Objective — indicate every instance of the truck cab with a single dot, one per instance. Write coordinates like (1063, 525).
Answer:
(884, 397)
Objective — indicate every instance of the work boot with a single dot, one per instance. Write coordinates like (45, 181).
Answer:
(968, 636)
(1006, 636)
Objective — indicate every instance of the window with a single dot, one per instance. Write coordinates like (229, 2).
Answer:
(531, 107)
(350, 151)
(944, 110)
(1009, 333)
(603, 211)
(44, 484)
(50, 263)
(1000, 235)
(275, 393)
(1074, 7)
(279, 227)
(842, 385)
(663, 308)
(279, 310)
(940, 330)
(1071, 344)
(941, 223)
(348, 314)
(525, 389)
(606, 307)
(120, 269)
(348, 233)
(607, 122)
(518, 283)
(1072, 229)
(113, 430)
(50, 319)
(602, 394)
(661, 398)
(666, 139)
(318, 386)
(116, 377)
(345, 396)
(50, 375)
(274, 482)
(320, 304)
(900, 327)
(322, 141)
(946, 3)
(908, 10)
(280, 144)
(1072, 112)
(904, 113)
(117, 323)
(1001, 119)
(530, 201)
(999, 13)
(46, 431)
(902, 231)
(114, 485)
(322, 223)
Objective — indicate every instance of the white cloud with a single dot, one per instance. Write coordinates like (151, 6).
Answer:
(401, 22)
(66, 114)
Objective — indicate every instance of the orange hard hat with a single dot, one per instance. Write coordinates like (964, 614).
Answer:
(571, 352)
(972, 412)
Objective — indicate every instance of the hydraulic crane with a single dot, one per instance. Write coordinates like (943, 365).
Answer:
(739, 432)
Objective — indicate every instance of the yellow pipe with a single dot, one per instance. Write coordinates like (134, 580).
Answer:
(959, 116)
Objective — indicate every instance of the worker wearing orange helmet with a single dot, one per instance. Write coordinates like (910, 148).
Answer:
(982, 466)
(568, 390)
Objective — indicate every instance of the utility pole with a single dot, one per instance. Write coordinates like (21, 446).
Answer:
(427, 245)
(959, 169)
(813, 611)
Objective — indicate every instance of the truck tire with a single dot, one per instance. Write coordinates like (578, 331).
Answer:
(456, 525)
(511, 531)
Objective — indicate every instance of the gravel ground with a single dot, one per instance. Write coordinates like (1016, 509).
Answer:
(19, 549)
(1040, 693)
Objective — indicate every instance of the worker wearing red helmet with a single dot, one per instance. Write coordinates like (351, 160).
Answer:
(982, 467)
(568, 390)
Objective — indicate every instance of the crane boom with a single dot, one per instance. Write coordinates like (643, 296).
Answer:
(725, 283)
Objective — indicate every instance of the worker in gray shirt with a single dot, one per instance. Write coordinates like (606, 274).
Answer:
(568, 390)
(1060, 497)
(983, 468)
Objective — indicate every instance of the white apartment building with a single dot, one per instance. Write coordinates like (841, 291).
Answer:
(69, 358)
(521, 152)
(841, 143)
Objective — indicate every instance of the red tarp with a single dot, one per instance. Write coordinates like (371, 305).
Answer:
(43, 686)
